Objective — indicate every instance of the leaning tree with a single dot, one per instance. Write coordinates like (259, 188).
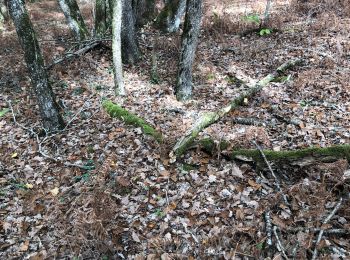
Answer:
(49, 110)
(183, 89)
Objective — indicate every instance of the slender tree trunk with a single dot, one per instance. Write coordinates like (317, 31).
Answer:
(48, 107)
(102, 17)
(74, 18)
(4, 15)
(116, 48)
(169, 18)
(130, 49)
(183, 89)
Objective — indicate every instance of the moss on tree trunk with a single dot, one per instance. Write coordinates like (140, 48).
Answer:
(117, 111)
(74, 18)
(300, 157)
(209, 118)
(48, 107)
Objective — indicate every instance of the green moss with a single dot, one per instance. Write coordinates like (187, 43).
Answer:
(210, 146)
(328, 153)
(115, 110)
(188, 167)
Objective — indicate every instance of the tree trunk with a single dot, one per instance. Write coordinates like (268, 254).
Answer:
(103, 18)
(169, 18)
(190, 34)
(211, 117)
(4, 15)
(116, 48)
(75, 20)
(130, 49)
(143, 11)
(48, 107)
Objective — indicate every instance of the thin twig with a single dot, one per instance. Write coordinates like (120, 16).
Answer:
(279, 243)
(268, 228)
(74, 54)
(328, 218)
(338, 231)
(273, 174)
(40, 149)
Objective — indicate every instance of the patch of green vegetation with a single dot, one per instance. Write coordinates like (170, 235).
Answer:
(210, 76)
(85, 177)
(4, 112)
(265, 31)
(253, 18)
(2, 193)
(62, 84)
(117, 111)
(186, 167)
(78, 91)
(160, 213)
(99, 87)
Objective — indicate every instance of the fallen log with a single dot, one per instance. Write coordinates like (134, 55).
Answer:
(117, 111)
(301, 157)
(211, 117)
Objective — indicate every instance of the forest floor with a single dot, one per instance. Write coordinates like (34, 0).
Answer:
(130, 202)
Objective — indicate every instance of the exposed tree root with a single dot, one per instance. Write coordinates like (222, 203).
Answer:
(211, 117)
(115, 110)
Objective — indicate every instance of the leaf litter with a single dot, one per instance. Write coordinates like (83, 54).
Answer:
(129, 201)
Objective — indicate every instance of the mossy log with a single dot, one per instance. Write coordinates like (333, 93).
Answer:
(211, 117)
(301, 157)
(117, 111)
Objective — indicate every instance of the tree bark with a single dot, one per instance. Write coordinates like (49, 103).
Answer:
(301, 157)
(143, 11)
(116, 48)
(4, 15)
(74, 18)
(130, 49)
(211, 117)
(183, 89)
(103, 17)
(169, 18)
(48, 107)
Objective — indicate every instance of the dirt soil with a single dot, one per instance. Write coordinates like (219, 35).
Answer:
(128, 201)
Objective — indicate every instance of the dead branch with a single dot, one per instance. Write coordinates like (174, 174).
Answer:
(77, 53)
(325, 221)
(210, 118)
(277, 181)
(280, 247)
(268, 228)
(39, 143)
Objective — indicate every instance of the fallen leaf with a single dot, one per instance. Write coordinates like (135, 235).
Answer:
(29, 186)
(55, 191)
(25, 246)
(135, 237)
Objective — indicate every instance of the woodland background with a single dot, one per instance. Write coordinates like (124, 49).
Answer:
(102, 189)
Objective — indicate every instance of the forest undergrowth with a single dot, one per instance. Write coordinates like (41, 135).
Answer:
(128, 200)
